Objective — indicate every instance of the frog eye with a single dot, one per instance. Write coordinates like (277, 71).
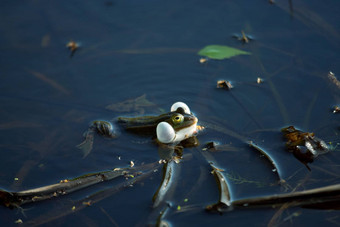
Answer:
(165, 132)
(182, 105)
(177, 118)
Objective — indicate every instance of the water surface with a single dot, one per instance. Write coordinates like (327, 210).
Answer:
(131, 48)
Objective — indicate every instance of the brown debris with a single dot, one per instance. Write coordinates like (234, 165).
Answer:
(211, 146)
(244, 38)
(295, 137)
(304, 145)
(72, 46)
(224, 84)
(87, 203)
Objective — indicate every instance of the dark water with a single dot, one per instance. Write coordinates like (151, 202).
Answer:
(131, 48)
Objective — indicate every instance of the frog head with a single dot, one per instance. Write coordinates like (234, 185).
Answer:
(180, 125)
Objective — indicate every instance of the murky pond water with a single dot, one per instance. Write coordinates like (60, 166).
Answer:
(146, 51)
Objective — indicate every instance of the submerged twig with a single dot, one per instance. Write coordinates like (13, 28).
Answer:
(250, 115)
(309, 110)
(224, 130)
(276, 95)
(273, 220)
(109, 217)
(50, 82)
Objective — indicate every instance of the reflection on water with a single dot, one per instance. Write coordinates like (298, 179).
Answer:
(128, 49)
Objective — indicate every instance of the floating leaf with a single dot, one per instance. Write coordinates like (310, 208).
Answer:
(220, 52)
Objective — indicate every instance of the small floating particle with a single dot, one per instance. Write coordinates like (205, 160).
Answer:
(176, 159)
(64, 181)
(16, 179)
(244, 38)
(259, 80)
(186, 200)
(203, 60)
(199, 128)
(132, 164)
(87, 203)
(178, 207)
(116, 169)
(161, 161)
(224, 84)
(72, 46)
(19, 221)
(210, 146)
(336, 109)
(74, 207)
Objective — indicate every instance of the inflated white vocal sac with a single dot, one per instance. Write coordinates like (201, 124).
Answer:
(165, 132)
(176, 105)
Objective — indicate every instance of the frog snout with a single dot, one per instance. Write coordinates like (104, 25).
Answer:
(193, 118)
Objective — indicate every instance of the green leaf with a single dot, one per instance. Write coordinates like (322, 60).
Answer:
(220, 52)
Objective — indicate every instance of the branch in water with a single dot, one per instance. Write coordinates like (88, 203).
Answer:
(16, 199)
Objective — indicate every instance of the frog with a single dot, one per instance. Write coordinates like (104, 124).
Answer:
(179, 126)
